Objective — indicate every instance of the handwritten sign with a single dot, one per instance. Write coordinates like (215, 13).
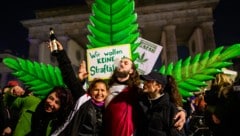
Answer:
(101, 61)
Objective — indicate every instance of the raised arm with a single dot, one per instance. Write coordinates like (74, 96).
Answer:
(68, 74)
(82, 71)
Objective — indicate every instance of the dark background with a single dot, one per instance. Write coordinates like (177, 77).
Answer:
(227, 22)
(13, 35)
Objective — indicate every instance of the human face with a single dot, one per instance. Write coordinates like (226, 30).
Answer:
(99, 92)
(124, 68)
(17, 91)
(52, 103)
(151, 87)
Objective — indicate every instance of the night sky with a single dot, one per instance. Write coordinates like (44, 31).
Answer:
(13, 35)
(227, 22)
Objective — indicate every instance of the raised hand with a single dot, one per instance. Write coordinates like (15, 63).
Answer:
(60, 46)
(82, 71)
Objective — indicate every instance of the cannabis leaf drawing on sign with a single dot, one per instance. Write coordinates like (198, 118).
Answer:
(141, 58)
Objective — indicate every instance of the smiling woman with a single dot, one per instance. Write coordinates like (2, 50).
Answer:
(40, 117)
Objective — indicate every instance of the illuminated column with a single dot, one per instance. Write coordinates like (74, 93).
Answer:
(208, 35)
(195, 42)
(164, 45)
(171, 43)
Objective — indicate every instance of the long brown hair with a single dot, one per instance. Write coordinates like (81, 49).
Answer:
(66, 101)
(172, 89)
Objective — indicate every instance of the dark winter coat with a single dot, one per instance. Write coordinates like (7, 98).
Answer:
(158, 117)
(4, 115)
(87, 121)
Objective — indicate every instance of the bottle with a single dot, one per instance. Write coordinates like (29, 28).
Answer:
(53, 44)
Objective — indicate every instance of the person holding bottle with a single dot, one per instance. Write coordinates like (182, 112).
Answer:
(87, 116)
(120, 118)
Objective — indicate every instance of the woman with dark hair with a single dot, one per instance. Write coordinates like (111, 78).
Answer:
(87, 120)
(123, 114)
(40, 117)
(158, 102)
(87, 116)
(120, 117)
(173, 91)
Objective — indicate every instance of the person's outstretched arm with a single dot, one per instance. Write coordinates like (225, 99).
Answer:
(68, 74)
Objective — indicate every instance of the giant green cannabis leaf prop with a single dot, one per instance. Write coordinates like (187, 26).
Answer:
(39, 77)
(192, 73)
(113, 22)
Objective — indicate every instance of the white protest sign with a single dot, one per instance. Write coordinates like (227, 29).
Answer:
(149, 53)
(101, 61)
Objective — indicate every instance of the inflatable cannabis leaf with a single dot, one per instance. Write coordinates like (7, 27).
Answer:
(113, 22)
(192, 73)
(40, 78)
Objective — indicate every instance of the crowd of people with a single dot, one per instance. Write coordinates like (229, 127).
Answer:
(28, 115)
(117, 107)
(216, 110)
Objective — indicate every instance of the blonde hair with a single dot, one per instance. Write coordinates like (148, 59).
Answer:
(224, 84)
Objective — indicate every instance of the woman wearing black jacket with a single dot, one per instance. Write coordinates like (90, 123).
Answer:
(158, 110)
(86, 118)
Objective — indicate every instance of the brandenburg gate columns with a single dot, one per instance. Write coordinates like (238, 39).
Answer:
(170, 48)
